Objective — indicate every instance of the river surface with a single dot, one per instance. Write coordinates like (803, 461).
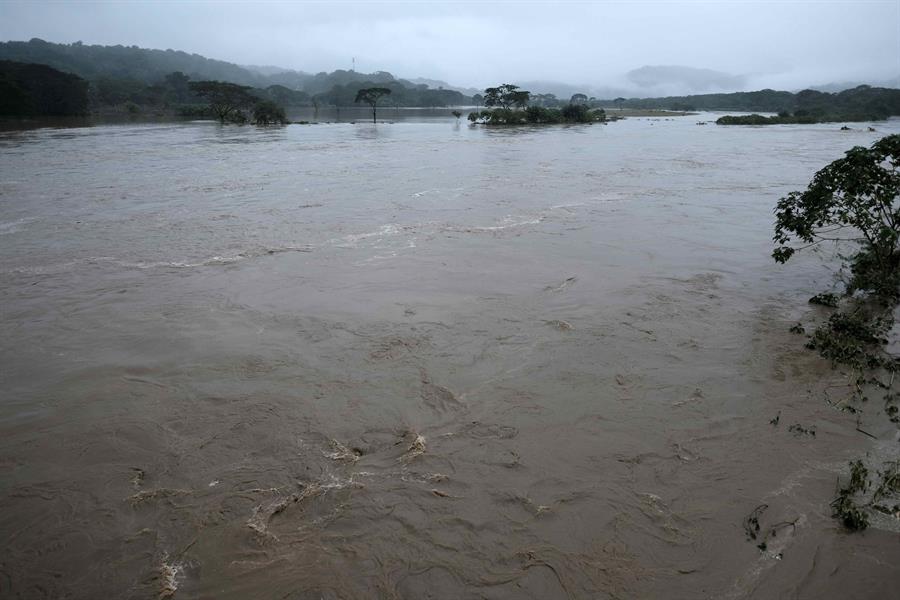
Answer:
(419, 359)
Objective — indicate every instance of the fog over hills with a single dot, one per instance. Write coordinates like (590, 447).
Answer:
(634, 48)
(151, 65)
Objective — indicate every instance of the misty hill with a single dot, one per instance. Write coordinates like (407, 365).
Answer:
(118, 73)
(126, 62)
(31, 90)
(688, 79)
(837, 87)
(438, 84)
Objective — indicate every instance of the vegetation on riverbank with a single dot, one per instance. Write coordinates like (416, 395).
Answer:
(873, 102)
(132, 80)
(785, 118)
(512, 106)
(38, 90)
(855, 201)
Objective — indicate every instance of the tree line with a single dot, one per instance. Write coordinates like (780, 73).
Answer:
(509, 105)
(154, 79)
(861, 103)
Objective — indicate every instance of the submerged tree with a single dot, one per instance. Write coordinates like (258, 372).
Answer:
(227, 101)
(267, 112)
(371, 96)
(855, 198)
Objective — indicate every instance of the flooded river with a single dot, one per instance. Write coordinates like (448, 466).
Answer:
(419, 360)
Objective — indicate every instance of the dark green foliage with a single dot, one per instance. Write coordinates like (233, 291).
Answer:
(266, 112)
(456, 113)
(858, 195)
(538, 115)
(371, 96)
(120, 74)
(122, 62)
(227, 101)
(506, 96)
(403, 93)
(890, 481)
(807, 106)
(33, 90)
(850, 503)
(859, 475)
(576, 113)
(855, 339)
(848, 513)
(798, 328)
(825, 299)
(855, 200)
(283, 96)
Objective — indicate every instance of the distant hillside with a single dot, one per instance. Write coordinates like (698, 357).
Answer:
(861, 101)
(144, 76)
(28, 90)
(126, 62)
(677, 78)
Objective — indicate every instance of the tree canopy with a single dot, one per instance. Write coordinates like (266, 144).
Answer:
(266, 112)
(32, 90)
(506, 96)
(857, 199)
(227, 101)
(371, 96)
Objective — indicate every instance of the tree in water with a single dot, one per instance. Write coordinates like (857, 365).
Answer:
(267, 112)
(506, 95)
(855, 199)
(371, 96)
(226, 100)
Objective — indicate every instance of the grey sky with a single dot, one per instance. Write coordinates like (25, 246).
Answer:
(783, 44)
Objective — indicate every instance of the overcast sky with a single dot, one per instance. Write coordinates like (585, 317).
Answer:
(782, 44)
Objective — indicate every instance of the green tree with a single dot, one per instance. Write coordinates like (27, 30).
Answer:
(520, 98)
(371, 96)
(505, 95)
(31, 89)
(578, 99)
(856, 199)
(267, 112)
(227, 101)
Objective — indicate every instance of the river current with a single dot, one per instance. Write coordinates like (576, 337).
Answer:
(419, 359)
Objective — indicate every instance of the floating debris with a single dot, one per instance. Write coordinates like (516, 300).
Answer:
(168, 576)
(147, 495)
(342, 453)
(751, 521)
(801, 430)
(561, 286)
(262, 514)
(561, 325)
(416, 448)
(138, 478)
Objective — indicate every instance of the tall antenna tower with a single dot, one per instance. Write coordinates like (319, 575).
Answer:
(353, 68)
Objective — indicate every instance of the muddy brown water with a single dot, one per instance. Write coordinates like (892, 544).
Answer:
(419, 360)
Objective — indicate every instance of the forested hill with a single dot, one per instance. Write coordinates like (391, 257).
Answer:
(862, 100)
(127, 62)
(119, 74)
